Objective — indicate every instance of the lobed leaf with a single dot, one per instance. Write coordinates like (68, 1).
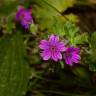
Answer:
(14, 70)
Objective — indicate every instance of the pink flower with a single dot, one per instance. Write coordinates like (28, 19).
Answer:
(52, 49)
(24, 17)
(71, 55)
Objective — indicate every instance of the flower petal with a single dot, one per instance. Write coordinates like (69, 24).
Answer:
(27, 16)
(24, 17)
(59, 55)
(68, 61)
(76, 58)
(19, 12)
(53, 39)
(72, 55)
(44, 44)
(24, 24)
(54, 56)
(46, 55)
(61, 46)
(76, 50)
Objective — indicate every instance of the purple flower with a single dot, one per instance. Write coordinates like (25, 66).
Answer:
(71, 55)
(24, 17)
(52, 49)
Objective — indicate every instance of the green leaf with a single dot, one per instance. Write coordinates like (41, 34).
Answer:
(14, 69)
(92, 67)
(33, 28)
(45, 11)
(82, 2)
(70, 30)
(58, 27)
(80, 39)
(80, 72)
(92, 57)
(92, 60)
(62, 64)
(93, 47)
(7, 7)
(63, 28)
(93, 40)
(61, 5)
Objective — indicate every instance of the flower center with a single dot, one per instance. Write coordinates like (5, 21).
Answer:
(53, 48)
(22, 16)
(69, 54)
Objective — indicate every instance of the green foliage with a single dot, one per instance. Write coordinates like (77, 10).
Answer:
(33, 28)
(14, 70)
(62, 64)
(82, 1)
(67, 29)
(93, 41)
(45, 11)
(58, 28)
(92, 56)
(7, 7)
(70, 30)
(7, 15)
(93, 47)
(82, 38)
(9, 25)
(81, 73)
(47, 78)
